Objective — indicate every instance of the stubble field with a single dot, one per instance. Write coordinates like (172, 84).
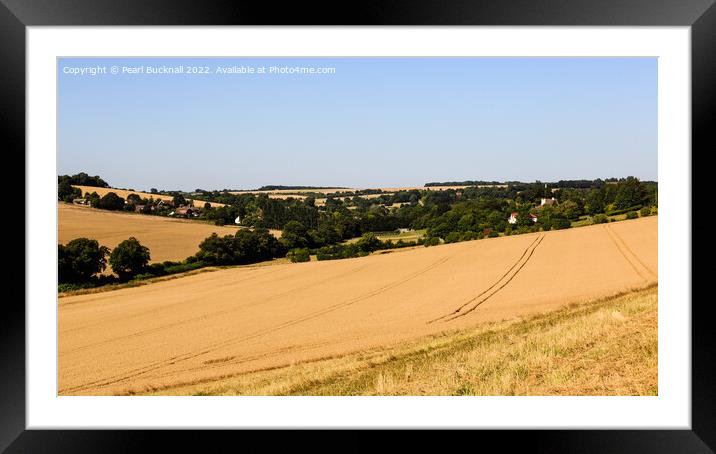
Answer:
(213, 326)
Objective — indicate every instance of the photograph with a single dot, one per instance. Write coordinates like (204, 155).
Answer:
(357, 226)
(458, 218)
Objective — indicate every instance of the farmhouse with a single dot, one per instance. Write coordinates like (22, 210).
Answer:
(186, 211)
(550, 201)
(514, 215)
(143, 208)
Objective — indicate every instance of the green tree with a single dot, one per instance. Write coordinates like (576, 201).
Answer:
(299, 255)
(629, 193)
(94, 199)
(83, 179)
(570, 209)
(294, 235)
(178, 200)
(368, 242)
(246, 246)
(217, 250)
(595, 201)
(66, 192)
(111, 201)
(80, 259)
(561, 223)
(134, 199)
(453, 237)
(432, 241)
(129, 258)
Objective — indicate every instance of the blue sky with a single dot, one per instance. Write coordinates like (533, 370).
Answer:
(373, 122)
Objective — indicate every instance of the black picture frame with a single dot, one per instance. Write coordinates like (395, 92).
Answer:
(16, 15)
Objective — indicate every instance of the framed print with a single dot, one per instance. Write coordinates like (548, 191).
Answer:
(412, 217)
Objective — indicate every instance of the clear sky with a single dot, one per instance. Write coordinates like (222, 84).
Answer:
(372, 122)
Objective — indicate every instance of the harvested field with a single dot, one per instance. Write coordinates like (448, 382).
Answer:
(124, 193)
(166, 238)
(216, 325)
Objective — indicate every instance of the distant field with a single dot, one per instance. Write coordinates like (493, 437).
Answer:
(441, 188)
(392, 236)
(297, 192)
(210, 327)
(405, 236)
(288, 192)
(123, 193)
(166, 238)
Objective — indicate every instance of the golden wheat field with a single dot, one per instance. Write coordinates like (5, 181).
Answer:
(145, 195)
(166, 238)
(214, 326)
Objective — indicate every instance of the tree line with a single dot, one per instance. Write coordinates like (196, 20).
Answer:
(449, 215)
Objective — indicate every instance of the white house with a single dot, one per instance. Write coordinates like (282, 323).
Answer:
(513, 217)
(550, 201)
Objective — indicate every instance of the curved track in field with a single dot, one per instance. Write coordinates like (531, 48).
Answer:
(506, 278)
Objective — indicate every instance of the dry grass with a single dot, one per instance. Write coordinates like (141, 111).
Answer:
(602, 347)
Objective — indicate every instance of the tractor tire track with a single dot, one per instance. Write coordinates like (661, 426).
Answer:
(208, 315)
(317, 314)
(486, 298)
(190, 355)
(626, 246)
(610, 234)
(490, 287)
(149, 311)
